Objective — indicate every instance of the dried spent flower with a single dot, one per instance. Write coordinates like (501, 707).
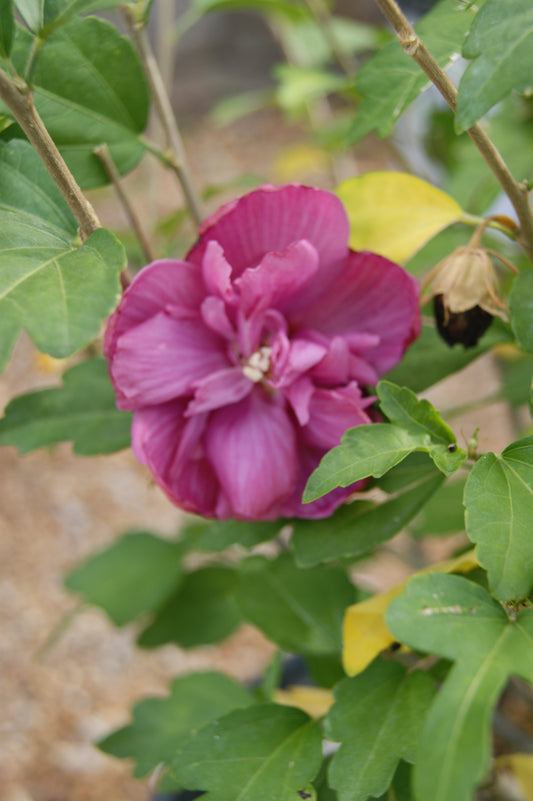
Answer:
(465, 288)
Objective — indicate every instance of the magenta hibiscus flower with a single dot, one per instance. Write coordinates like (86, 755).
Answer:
(246, 362)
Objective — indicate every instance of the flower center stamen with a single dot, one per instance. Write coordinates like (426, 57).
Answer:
(258, 364)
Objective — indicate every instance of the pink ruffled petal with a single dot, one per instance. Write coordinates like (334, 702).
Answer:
(171, 448)
(302, 355)
(157, 285)
(299, 396)
(252, 447)
(270, 219)
(161, 358)
(214, 315)
(373, 296)
(332, 412)
(219, 389)
(216, 272)
(278, 279)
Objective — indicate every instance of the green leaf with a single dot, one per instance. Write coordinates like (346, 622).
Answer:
(161, 726)
(309, 47)
(444, 514)
(300, 610)
(499, 510)
(83, 410)
(516, 378)
(299, 86)
(456, 618)
(261, 753)
(129, 578)
(285, 8)
(521, 307)
(202, 611)
(90, 89)
(500, 43)
(56, 290)
(372, 450)
(391, 80)
(43, 15)
(216, 535)
(358, 527)
(7, 27)
(377, 716)
(429, 359)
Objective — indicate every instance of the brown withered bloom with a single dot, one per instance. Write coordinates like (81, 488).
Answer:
(465, 288)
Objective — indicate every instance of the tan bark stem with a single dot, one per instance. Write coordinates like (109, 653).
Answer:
(20, 103)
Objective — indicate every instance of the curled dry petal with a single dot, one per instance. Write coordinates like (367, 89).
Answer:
(247, 361)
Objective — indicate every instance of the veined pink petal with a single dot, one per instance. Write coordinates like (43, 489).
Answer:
(278, 279)
(161, 358)
(216, 271)
(373, 296)
(270, 219)
(214, 315)
(171, 448)
(219, 389)
(154, 287)
(299, 395)
(252, 447)
(332, 412)
(302, 355)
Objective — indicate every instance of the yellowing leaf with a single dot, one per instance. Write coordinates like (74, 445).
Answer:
(394, 213)
(520, 767)
(316, 701)
(365, 633)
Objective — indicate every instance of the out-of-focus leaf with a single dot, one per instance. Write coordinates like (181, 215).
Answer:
(521, 307)
(129, 578)
(456, 618)
(50, 285)
(365, 631)
(377, 718)
(293, 11)
(309, 47)
(516, 377)
(163, 725)
(202, 611)
(394, 213)
(216, 535)
(499, 510)
(500, 42)
(391, 80)
(429, 359)
(261, 753)
(520, 767)
(444, 513)
(300, 610)
(83, 410)
(358, 527)
(90, 89)
(7, 27)
(298, 86)
(372, 450)
(42, 16)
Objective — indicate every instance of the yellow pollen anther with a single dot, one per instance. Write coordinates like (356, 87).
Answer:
(258, 364)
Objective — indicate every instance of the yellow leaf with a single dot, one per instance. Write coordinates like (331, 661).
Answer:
(520, 767)
(394, 213)
(365, 633)
(316, 701)
(300, 161)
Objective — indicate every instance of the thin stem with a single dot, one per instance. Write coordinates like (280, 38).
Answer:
(320, 12)
(19, 100)
(412, 46)
(102, 152)
(163, 107)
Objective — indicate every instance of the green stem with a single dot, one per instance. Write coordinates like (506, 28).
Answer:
(33, 58)
(412, 46)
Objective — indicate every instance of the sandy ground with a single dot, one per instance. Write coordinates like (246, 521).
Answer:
(57, 697)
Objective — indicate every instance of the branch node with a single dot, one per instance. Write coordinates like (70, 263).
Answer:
(410, 45)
